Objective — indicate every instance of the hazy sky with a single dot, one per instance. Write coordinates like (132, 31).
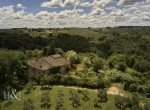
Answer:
(73, 13)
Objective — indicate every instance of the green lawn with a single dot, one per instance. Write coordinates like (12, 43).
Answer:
(35, 95)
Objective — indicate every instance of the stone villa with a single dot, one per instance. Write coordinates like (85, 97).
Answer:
(39, 67)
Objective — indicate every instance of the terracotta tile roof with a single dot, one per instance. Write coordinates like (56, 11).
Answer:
(45, 62)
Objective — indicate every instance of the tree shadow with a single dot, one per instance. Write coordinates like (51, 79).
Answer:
(76, 106)
(85, 99)
(27, 92)
(80, 91)
(104, 101)
(34, 88)
(45, 106)
(97, 106)
(46, 88)
(8, 103)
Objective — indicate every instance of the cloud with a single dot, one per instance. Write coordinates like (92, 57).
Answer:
(52, 4)
(128, 2)
(58, 3)
(65, 14)
(79, 10)
(117, 13)
(68, 3)
(86, 4)
(96, 17)
(20, 6)
(84, 16)
(98, 11)
(19, 15)
(102, 3)
(147, 0)
(42, 14)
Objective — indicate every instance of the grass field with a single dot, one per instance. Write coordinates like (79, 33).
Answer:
(35, 95)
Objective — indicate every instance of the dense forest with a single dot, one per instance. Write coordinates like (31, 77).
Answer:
(109, 55)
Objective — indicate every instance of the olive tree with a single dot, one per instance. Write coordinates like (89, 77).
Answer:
(28, 86)
(28, 105)
(59, 103)
(45, 99)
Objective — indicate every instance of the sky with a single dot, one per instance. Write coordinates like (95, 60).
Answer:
(73, 13)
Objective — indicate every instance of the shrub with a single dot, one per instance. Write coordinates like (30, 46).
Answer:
(142, 65)
(122, 102)
(122, 66)
(115, 59)
(54, 69)
(86, 62)
(72, 56)
(98, 64)
(147, 106)
(106, 82)
(141, 89)
(102, 95)
(133, 87)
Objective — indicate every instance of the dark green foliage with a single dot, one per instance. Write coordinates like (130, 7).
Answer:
(135, 100)
(102, 95)
(49, 50)
(129, 41)
(115, 59)
(42, 83)
(142, 65)
(96, 102)
(34, 83)
(12, 67)
(54, 69)
(92, 82)
(122, 77)
(17, 40)
(98, 64)
(71, 94)
(122, 66)
(130, 60)
(142, 89)
(28, 105)
(85, 95)
(106, 82)
(133, 87)
(122, 102)
(29, 86)
(124, 51)
(136, 107)
(75, 100)
(60, 93)
(59, 103)
(47, 80)
(101, 80)
(74, 97)
(72, 42)
(59, 51)
(147, 106)
(45, 99)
